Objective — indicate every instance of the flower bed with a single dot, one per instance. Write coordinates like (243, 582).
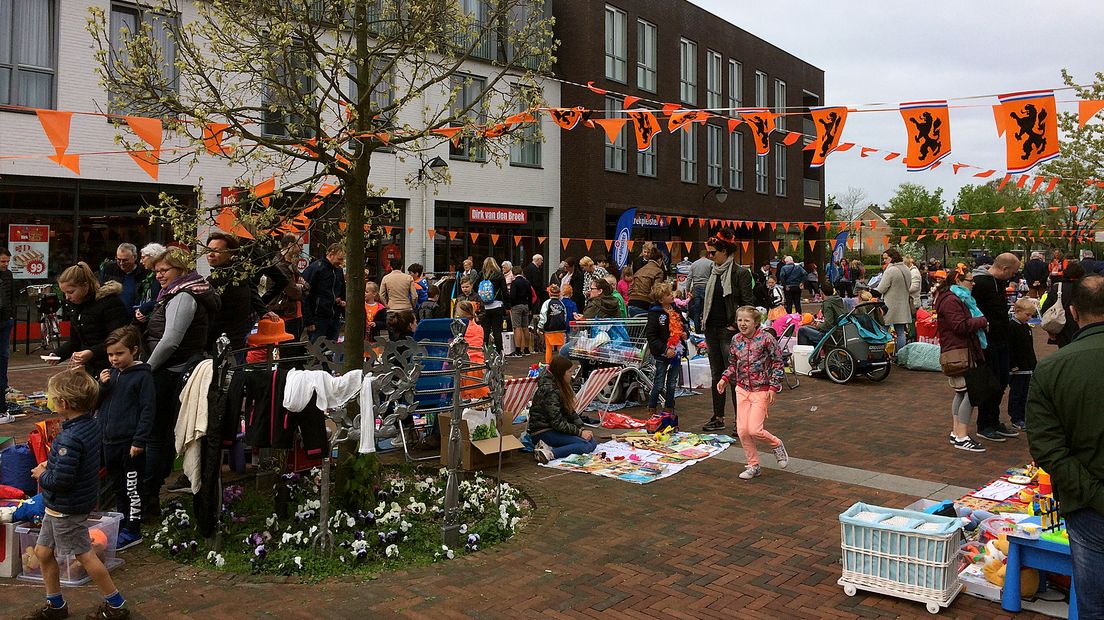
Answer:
(401, 530)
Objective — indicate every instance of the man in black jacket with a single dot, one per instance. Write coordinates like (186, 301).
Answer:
(126, 270)
(7, 314)
(989, 292)
(1035, 273)
(534, 273)
(241, 302)
(325, 302)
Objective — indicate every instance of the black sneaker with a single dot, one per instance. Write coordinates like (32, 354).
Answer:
(968, 445)
(991, 434)
(1004, 431)
(181, 485)
(107, 612)
(1020, 426)
(47, 612)
(952, 438)
(714, 425)
(591, 422)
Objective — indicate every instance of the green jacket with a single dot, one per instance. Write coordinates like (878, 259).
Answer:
(831, 309)
(548, 412)
(1065, 422)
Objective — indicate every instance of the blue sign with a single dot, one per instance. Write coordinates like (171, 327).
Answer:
(622, 236)
(837, 256)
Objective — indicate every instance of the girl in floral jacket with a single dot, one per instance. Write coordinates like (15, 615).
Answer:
(755, 372)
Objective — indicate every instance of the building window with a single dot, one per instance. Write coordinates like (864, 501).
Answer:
(715, 148)
(615, 151)
(688, 76)
(646, 56)
(525, 150)
(688, 154)
(713, 79)
(28, 59)
(279, 119)
(761, 181)
(615, 44)
(126, 21)
(780, 104)
(779, 170)
(735, 84)
(469, 90)
(382, 79)
(736, 160)
(760, 89)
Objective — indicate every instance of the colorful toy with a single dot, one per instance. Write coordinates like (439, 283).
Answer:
(994, 569)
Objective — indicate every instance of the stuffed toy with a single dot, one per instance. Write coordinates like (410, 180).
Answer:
(31, 511)
(994, 569)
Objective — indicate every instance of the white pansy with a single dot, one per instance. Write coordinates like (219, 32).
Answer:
(392, 551)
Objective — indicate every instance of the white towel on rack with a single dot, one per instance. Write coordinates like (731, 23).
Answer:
(191, 423)
(329, 391)
(367, 416)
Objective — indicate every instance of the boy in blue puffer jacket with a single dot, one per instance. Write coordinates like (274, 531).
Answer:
(70, 483)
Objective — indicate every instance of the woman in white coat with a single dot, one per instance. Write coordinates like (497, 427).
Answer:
(894, 291)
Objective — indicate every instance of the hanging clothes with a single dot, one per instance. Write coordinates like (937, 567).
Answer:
(191, 423)
(367, 416)
(271, 425)
(329, 391)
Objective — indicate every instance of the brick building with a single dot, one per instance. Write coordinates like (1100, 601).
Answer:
(671, 51)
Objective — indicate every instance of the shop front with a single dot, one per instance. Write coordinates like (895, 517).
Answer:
(505, 232)
(673, 233)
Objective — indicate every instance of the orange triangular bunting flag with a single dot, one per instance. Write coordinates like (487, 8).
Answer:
(517, 239)
(564, 241)
(540, 240)
(630, 101)
(452, 234)
(264, 190)
(431, 233)
(409, 230)
(450, 133)
(1087, 110)
(612, 127)
(474, 236)
(388, 229)
(866, 151)
(688, 245)
(213, 133)
(850, 243)
(228, 222)
(56, 126)
(147, 161)
(149, 130)
(892, 156)
(791, 138)
(998, 117)
(746, 245)
(631, 244)
(609, 245)
(794, 243)
(812, 244)
(775, 244)
(71, 162)
(733, 123)
(587, 243)
(494, 238)
(785, 225)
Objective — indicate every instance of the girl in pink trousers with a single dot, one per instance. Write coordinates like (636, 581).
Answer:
(755, 372)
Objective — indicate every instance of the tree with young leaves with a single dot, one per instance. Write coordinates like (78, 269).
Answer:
(1081, 161)
(912, 200)
(307, 91)
(985, 208)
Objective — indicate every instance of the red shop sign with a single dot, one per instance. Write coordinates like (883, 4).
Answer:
(497, 215)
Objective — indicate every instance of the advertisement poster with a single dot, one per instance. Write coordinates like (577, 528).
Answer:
(29, 245)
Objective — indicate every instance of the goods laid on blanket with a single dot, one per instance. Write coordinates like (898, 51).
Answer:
(18, 402)
(641, 457)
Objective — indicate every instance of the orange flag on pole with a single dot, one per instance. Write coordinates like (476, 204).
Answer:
(928, 125)
(829, 126)
(761, 123)
(149, 130)
(1031, 129)
(646, 126)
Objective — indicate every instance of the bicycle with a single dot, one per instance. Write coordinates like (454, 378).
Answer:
(46, 300)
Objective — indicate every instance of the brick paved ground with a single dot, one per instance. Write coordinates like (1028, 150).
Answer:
(701, 544)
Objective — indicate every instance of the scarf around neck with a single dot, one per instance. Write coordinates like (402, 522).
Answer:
(191, 280)
(971, 304)
(720, 272)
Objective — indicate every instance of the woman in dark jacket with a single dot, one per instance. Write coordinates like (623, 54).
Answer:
(95, 311)
(652, 271)
(176, 338)
(1072, 273)
(728, 288)
(959, 330)
(553, 422)
(601, 304)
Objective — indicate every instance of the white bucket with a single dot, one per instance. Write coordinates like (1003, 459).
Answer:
(801, 355)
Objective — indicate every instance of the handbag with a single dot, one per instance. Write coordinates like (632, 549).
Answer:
(981, 385)
(1054, 319)
(955, 362)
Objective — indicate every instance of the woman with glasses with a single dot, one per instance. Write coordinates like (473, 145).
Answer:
(961, 328)
(728, 288)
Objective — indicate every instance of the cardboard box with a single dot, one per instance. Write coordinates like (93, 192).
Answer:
(482, 453)
(975, 584)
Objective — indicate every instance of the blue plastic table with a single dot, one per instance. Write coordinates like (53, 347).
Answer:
(1047, 556)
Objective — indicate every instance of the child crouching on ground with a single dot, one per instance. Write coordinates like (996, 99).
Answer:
(1021, 347)
(666, 334)
(125, 417)
(70, 482)
(755, 372)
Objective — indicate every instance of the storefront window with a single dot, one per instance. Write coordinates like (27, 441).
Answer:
(459, 237)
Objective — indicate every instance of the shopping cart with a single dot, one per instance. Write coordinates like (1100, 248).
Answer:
(617, 343)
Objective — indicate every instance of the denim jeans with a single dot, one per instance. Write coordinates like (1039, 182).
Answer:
(665, 383)
(5, 353)
(635, 311)
(697, 306)
(563, 444)
(997, 358)
(1086, 536)
(901, 329)
(808, 335)
(1017, 397)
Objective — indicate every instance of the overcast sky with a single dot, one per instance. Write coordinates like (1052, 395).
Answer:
(899, 51)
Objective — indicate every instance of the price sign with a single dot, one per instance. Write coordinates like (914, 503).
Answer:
(29, 245)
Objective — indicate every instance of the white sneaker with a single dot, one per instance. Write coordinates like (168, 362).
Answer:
(782, 456)
(751, 471)
(543, 452)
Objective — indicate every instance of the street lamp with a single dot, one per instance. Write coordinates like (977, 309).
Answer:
(435, 164)
(720, 192)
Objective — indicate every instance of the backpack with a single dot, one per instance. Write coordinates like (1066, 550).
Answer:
(486, 291)
(557, 316)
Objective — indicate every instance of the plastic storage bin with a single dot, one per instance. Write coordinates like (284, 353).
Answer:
(801, 355)
(72, 573)
(901, 553)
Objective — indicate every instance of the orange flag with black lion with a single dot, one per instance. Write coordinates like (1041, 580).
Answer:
(761, 123)
(829, 127)
(928, 125)
(1030, 125)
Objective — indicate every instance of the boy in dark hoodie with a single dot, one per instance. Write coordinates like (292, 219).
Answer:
(1021, 349)
(428, 308)
(666, 335)
(125, 416)
(69, 487)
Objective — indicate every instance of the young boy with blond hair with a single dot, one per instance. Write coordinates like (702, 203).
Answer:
(1021, 349)
(70, 485)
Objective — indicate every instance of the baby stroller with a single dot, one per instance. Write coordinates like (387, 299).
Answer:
(858, 344)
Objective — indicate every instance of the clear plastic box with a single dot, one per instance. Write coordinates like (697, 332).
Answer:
(72, 573)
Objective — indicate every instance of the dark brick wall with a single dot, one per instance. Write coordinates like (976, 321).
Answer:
(589, 192)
